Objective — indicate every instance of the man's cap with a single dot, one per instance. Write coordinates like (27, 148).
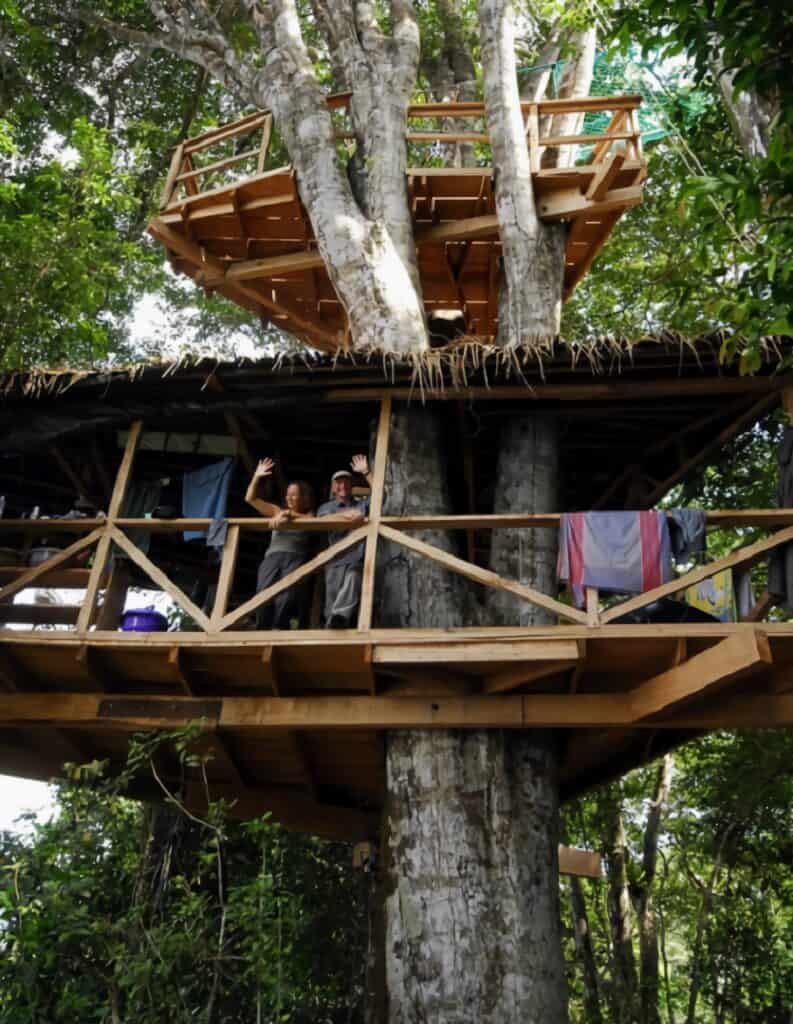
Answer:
(340, 473)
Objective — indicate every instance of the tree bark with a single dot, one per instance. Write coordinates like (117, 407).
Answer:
(625, 981)
(526, 481)
(472, 921)
(468, 898)
(643, 899)
(532, 252)
(586, 956)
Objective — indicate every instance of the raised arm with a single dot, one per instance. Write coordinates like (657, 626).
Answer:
(360, 464)
(262, 472)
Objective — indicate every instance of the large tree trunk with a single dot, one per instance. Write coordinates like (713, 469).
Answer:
(468, 901)
(532, 252)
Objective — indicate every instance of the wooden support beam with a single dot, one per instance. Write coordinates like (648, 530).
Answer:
(179, 671)
(269, 663)
(68, 470)
(484, 576)
(605, 176)
(485, 226)
(760, 609)
(40, 614)
(514, 677)
(255, 716)
(565, 205)
(475, 651)
(737, 657)
(274, 266)
(158, 576)
(120, 487)
(738, 425)
(90, 661)
(292, 578)
(366, 608)
(246, 297)
(582, 863)
(228, 568)
(412, 681)
(12, 675)
(32, 577)
(112, 608)
(745, 556)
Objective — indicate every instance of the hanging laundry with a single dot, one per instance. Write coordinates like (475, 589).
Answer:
(780, 566)
(686, 532)
(715, 596)
(624, 552)
(204, 495)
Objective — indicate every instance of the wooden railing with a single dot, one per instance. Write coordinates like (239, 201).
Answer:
(620, 140)
(101, 534)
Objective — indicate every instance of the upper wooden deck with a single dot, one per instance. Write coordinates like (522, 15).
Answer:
(241, 229)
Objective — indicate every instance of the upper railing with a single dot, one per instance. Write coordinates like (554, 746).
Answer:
(100, 535)
(190, 175)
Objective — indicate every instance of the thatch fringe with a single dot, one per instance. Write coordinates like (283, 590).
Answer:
(436, 370)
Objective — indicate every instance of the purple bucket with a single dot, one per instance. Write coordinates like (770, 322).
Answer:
(143, 620)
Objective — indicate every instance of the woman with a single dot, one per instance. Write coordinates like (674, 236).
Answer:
(287, 551)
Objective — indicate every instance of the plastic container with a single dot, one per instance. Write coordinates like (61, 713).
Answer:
(144, 620)
(42, 554)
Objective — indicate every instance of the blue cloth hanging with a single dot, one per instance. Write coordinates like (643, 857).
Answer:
(204, 494)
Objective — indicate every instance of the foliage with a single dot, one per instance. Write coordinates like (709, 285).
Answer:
(113, 910)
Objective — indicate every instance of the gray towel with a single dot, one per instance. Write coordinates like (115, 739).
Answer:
(687, 532)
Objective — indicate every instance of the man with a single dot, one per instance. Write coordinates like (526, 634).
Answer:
(344, 574)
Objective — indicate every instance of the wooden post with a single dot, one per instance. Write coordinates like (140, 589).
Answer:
(267, 128)
(86, 615)
(226, 577)
(375, 511)
(592, 606)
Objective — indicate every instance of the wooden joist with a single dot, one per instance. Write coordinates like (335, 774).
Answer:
(735, 658)
(254, 716)
(571, 203)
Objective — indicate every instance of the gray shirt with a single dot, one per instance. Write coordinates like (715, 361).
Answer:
(291, 542)
(354, 555)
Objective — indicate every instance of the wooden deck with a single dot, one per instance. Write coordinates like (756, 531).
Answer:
(249, 237)
(293, 721)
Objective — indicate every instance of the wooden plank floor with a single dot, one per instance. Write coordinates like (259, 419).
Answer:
(294, 721)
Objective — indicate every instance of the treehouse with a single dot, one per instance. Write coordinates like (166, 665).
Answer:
(242, 231)
(293, 720)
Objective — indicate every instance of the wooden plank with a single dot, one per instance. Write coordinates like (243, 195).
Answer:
(605, 176)
(112, 608)
(213, 136)
(734, 658)
(520, 675)
(568, 204)
(294, 577)
(592, 390)
(485, 226)
(527, 652)
(267, 130)
(592, 606)
(170, 181)
(743, 556)
(760, 609)
(158, 576)
(582, 863)
(40, 614)
(33, 576)
(274, 266)
(484, 576)
(366, 606)
(228, 568)
(474, 108)
(124, 470)
(248, 298)
(218, 165)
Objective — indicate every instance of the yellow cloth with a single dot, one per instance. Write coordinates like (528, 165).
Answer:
(714, 596)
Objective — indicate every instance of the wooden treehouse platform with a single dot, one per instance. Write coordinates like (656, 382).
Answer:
(294, 721)
(249, 237)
